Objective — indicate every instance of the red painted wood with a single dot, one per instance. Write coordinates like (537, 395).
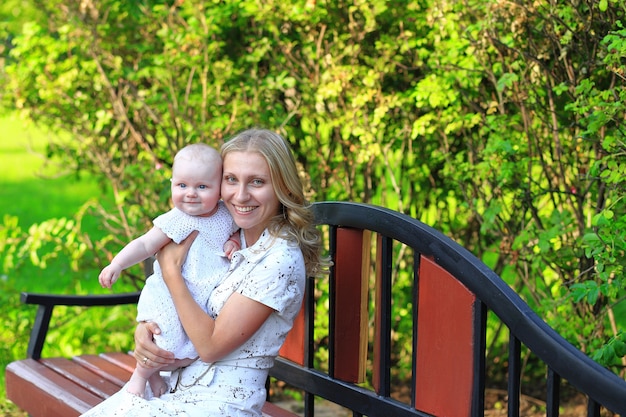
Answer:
(75, 372)
(377, 360)
(42, 392)
(445, 340)
(351, 284)
(293, 348)
(272, 410)
(123, 360)
(104, 368)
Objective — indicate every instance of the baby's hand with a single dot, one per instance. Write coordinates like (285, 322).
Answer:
(109, 275)
(230, 247)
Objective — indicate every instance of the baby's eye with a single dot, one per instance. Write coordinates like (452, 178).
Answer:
(202, 187)
(181, 185)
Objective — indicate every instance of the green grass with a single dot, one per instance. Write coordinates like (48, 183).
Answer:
(35, 193)
(30, 190)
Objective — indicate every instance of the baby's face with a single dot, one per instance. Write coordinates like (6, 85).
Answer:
(196, 187)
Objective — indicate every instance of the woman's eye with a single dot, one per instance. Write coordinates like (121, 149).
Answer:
(257, 182)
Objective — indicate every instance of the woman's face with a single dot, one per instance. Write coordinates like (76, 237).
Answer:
(248, 192)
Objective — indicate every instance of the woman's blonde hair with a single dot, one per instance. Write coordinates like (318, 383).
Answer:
(295, 221)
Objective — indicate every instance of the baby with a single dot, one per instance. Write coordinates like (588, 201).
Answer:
(196, 181)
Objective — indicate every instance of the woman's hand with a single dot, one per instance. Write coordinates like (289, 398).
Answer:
(147, 353)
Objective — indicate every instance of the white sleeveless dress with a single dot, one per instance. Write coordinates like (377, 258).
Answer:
(204, 267)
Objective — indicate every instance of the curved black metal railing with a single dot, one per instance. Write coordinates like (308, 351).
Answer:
(526, 328)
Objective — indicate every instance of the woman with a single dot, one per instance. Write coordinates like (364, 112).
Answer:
(253, 308)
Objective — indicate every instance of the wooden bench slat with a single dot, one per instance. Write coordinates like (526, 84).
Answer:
(293, 347)
(108, 370)
(445, 343)
(272, 410)
(381, 375)
(75, 372)
(123, 360)
(352, 263)
(40, 391)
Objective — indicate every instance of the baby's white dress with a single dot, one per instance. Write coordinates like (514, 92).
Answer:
(204, 267)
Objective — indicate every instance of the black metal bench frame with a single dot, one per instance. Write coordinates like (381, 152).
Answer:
(489, 292)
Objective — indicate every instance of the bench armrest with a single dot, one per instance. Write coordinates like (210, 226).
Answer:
(47, 302)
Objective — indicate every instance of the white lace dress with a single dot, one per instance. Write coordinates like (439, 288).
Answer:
(271, 272)
(204, 267)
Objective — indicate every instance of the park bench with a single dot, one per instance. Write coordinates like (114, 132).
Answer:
(452, 294)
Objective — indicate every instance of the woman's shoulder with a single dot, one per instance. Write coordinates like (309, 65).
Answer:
(280, 251)
(272, 241)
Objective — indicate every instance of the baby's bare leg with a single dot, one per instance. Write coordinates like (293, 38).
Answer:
(157, 384)
(141, 376)
(137, 383)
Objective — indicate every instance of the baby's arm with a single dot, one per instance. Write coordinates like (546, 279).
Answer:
(136, 251)
(232, 245)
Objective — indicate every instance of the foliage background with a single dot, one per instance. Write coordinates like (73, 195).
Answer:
(499, 123)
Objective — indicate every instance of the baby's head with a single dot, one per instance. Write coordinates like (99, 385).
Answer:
(196, 179)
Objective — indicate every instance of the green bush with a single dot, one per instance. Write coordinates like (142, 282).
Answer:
(496, 122)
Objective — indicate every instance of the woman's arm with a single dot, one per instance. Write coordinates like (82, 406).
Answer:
(238, 320)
